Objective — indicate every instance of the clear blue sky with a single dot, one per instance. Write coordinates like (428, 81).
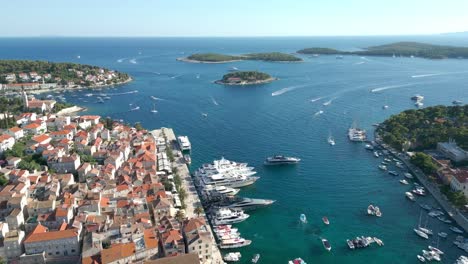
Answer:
(231, 17)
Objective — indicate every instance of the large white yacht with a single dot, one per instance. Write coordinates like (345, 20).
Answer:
(234, 243)
(223, 190)
(224, 216)
(357, 134)
(184, 143)
(226, 173)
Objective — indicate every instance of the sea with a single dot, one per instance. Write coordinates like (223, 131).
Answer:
(320, 97)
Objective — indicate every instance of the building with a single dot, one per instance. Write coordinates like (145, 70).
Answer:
(191, 258)
(61, 243)
(61, 134)
(15, 132)
(118, 254)
(13, 243)
(66, 164)
(15, 219)
(6, 142)
(172, 243)
(459, 181)
(452, 151)
(198, 238)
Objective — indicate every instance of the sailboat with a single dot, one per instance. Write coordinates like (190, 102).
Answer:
(154, 109)
(418, 230)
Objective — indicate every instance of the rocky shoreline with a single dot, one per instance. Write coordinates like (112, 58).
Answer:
(62, 89)
(206, 62)
(269, 80)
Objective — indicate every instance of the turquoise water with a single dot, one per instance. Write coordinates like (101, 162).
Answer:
(248, 124)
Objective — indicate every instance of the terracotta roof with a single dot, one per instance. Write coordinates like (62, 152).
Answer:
(194, 224)
(151, 240)
(4, 137)
(461, 175)
(90, 117)
(92, 260)
(116, 252)
(32, 126)
(15, 129)
(171, 236)
(61, 132)
(40, 138)
(39, 235)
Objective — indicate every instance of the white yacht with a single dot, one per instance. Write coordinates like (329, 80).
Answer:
(221, 190)
(421, 233)
(228, 180)
(184, 143)
(226, 173)
(408, 175)
(357, 134)
(232, 257)
(249, 203)
(419, 104)
(410, 196)
(417, 97)
(234, 243)
(224, 216)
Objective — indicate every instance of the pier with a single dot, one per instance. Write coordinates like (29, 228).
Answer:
(192, 200)
(433, 189)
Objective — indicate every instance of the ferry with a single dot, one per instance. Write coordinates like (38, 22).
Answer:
(281, 160)
(184, 143)
(326, 244)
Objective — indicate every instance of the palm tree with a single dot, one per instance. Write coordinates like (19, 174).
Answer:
(180, 216)
(198, 210)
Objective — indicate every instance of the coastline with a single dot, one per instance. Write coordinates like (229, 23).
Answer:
(70, 110)
(269, 80)
(62, 89)
(185, 59)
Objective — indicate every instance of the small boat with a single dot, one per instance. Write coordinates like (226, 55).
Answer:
(419, 104)
(421, 258)
(339, 57)
(403, 181)
(385, 107)
(457, 102)
(303, 218)
(426, 230)
(436, 250)
(410, 196)
(232, 257)
(394, 173)
(443, 219)
(326, 244)
(325, 220)
(154, 109)
(135, 108)
(383, 167)
(350, 244)
(187, 159)
(456, 230)
(419, 191)
(417, 97)
(425, 207)
(442, 234)
(255, 258)
(378, 241)
(297, 261)
(331, 141)
(204, 114)
(376, 154)
(408, 175)
(421, 233)
(369, 147)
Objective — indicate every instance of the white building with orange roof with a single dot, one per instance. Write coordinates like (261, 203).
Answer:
(15, 132)
(35, 128)
(61, 134)
(55, 244)
(6, 142)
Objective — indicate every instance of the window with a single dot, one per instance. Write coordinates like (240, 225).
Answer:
(56, 253)
(73, 251)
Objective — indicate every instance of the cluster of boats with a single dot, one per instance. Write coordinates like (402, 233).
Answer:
(363, 242)
(418, 100)
(357, 134)
(374, 210)
(229, 237)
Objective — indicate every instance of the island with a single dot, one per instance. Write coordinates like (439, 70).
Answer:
(222, 58)
(245, 78)
(43, 76)
(403, 49)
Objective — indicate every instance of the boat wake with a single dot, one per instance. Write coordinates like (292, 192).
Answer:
(359, 63)
(156, 98)
(176, 76)
(129, 92)
(133, 61)
(287, 89)
(121, 60)
(436, 74)
(379, 89)
(214, 101)
(315, 99)
(329, 101)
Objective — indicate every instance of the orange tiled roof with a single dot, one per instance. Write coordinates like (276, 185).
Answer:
(61, 132)
(117, 251)
(4, 137)
(40, 138)
(32, 126)
(53, 235)
(15, 129)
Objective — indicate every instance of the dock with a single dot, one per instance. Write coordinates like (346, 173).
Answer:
(192, 200)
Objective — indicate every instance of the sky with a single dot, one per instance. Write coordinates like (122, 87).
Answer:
(193, 18)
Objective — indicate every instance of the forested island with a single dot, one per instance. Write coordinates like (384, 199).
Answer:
(404, 49)
(222, 58)
(245, 78)
(34, 75)
(422, 129)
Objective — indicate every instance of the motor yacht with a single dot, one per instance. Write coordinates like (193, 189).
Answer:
(281, 160)
(224, 216)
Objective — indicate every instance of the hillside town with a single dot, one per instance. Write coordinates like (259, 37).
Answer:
(82, 189)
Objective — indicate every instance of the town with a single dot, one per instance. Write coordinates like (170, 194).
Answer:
(92, 190)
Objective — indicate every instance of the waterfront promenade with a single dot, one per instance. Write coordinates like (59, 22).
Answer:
(433, 188)
(192, 199)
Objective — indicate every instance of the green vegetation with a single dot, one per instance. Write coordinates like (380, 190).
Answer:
(324, 51)
(212, 57)
(405, 49)
(424, 128)
(424, 162)
(198, 210)
(65, 71)
(266, 56)
(60, 106)
(17, 150)
(456, 198)
(245, 77)
(272, 56)
(3, 180)
(10, 107)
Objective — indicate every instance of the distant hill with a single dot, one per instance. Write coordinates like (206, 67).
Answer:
(405, 49)
(221, 58)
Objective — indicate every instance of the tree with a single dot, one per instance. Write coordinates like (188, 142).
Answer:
(424, 162)
(3, 180)
(138, 126)
(198, 210)
(180, 216)
(30, 166)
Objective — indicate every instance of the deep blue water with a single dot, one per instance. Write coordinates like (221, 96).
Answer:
(248, 124)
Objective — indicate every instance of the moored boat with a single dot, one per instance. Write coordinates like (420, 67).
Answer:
(281, 160)
(456, 230)
(408, 175)
(403, 181)
(234, 243)
(421, 258)
(255, 258)
(326, 244)
(410, 196)
(442, 234)
(421, 233)
(325, 220)
(232, 257)
(436, 250)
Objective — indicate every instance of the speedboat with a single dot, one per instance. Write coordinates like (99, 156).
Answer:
(383, 167)
(325, 220)
(255, 258)
(135, 108)
(456, 230)
(326, 244)
(232, 257)
(417, 97)
(394, 173)
(426, 230)
(442, 234)
(297, 261)
(403, 181)
(204, 114)
(331, 141)
(408, 175)
(410, 196)
(378, 241)
(303, 218)
(280, 160)
(350, 244)
(419, 104)
(421, 258)
(376, 154)
(187, 159)
(436, 250)
(457, 102)
(419, 191)
(374, 210)
(421, 233)
(385, 107)
(369, 147)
